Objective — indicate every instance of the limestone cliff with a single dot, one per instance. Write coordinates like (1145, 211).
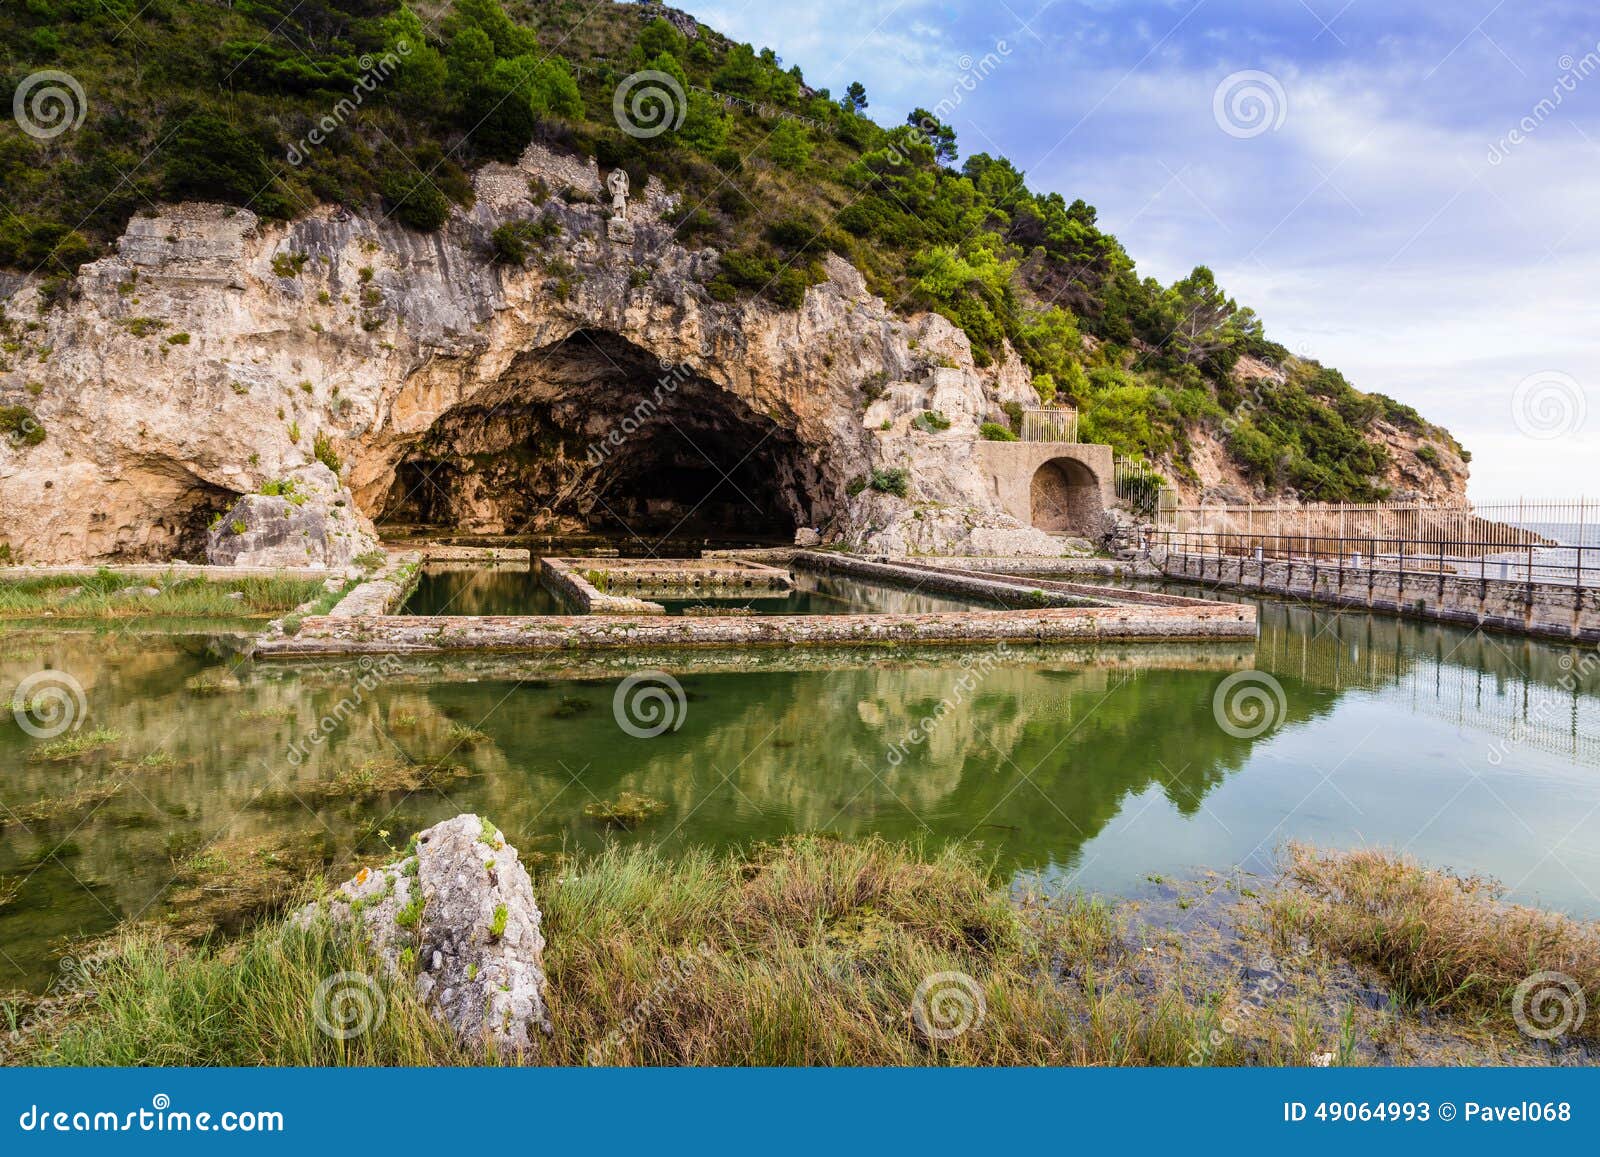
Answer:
(596, 384)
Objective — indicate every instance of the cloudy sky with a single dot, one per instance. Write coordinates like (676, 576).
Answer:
(1408, 191)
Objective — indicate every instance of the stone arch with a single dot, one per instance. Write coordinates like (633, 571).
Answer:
(1066, 498)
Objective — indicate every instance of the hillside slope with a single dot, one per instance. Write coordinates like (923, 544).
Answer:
(280, 107)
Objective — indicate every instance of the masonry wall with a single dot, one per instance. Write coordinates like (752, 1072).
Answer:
(1010, 467)
(1545, 609)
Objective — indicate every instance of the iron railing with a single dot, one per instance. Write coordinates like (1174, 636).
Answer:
(1058, 425)
(1139, 486)
(1539, 560)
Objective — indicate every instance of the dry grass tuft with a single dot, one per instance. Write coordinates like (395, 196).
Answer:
(1443, 942)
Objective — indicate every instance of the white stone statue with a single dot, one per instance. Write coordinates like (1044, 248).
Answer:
(617, 182)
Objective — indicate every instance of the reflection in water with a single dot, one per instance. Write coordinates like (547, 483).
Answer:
(1090, 767)
(502, 590)
(1516, 692)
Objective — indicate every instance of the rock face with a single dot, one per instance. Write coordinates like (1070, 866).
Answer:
(597, 385)
(1424, 464)
(312, 525)
(458, 915)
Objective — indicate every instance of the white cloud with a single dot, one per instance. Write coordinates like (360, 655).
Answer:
(1370, 229)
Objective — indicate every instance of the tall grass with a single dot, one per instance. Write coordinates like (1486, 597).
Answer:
(102, 595)
(152, 1002)
(808, 953)
(1435, 940)
(813, 952)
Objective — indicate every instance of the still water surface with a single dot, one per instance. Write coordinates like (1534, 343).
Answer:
(509, 591)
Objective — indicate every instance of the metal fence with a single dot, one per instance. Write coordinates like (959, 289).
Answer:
(1138, 485)
(1059, 425)
(1555, 542)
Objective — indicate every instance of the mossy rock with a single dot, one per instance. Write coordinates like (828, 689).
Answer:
(626, 811)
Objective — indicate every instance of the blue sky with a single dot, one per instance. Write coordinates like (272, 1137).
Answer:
(1380, 217)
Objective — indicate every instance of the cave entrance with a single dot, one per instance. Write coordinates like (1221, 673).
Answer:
(593, 434)
(1066, 498)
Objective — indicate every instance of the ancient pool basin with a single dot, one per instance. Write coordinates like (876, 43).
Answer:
(607, 608)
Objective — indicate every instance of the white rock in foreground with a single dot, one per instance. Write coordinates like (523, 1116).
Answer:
(458, 916)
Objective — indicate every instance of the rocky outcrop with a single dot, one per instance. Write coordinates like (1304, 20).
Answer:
(598, 384)
(457, 917)
(305, 522)
(1424, 462)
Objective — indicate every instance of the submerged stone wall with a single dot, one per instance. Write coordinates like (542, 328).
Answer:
(415, 634)
(1544, 609)
(966, 584)
(577, 591)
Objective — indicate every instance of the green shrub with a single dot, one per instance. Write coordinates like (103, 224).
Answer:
(995, 432)
(19, 424)
(143, 326)
(208, 158)
(288, 264)
(322, 448)
(509, 244)
(790, 145)
(896, 481)
(412, 199)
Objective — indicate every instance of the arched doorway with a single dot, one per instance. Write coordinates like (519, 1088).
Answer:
(1066, 498)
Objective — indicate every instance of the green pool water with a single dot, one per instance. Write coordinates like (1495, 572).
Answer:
(1092, 768)
(508, 591)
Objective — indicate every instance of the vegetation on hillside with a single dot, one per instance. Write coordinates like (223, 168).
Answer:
(280, 106)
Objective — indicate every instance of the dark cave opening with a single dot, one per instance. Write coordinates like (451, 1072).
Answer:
(593, 434)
